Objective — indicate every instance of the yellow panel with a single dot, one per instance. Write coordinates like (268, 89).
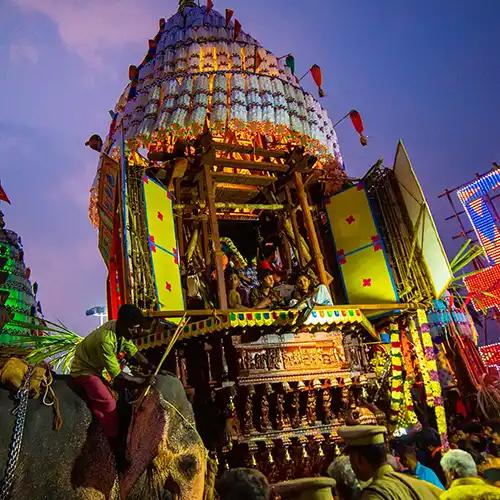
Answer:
(366, 277)
(163, 246)
(428, 240)
(168, 281)
(351, 219)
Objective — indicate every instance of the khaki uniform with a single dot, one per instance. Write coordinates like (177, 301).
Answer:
(390, 485)
(307, 488)
(386, 484)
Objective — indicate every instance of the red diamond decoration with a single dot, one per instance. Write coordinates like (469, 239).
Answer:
(350, 219)
(160, 216)
(367, 282)
(168, 286)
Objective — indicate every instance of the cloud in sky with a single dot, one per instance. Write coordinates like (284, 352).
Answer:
(92, 26)
(23, 51)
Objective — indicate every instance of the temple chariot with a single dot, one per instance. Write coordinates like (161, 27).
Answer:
(306, 298)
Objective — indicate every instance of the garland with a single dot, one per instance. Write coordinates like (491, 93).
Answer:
(435, 386)
(397, 369)
(422, 362)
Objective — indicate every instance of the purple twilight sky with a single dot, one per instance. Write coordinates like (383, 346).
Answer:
(424, 71)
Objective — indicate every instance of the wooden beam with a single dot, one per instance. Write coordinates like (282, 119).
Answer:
(311, 230)
(250, 180)
(249, 150)
(214, 230)
(251, 165)
(218, 312)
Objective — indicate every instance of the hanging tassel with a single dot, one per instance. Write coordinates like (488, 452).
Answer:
(229, 15)
(210, 6)
(318, 79)
(237, 29)
(357, 123)
(290, 62)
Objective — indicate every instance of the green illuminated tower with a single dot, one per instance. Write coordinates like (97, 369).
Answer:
(17, 301)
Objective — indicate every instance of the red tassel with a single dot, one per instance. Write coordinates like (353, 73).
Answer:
(229, 15)
(318, 78)
(210, 6)
(237, 29)
(161, 24)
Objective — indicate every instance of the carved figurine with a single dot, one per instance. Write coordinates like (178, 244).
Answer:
(281, 417)
(233, 295)
(311, 407)
(264, 413)
(326, 405)
(295, 410)
(248, 427)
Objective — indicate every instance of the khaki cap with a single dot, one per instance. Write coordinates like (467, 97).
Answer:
(307, 488)
(362, 435)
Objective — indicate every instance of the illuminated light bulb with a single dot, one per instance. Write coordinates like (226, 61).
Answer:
(288, 458)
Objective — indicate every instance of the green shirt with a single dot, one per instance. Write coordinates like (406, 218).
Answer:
(98, 352)
(390, 485)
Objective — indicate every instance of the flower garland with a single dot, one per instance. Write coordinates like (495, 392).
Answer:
(422, 362)
(397, 369)
(435, 385)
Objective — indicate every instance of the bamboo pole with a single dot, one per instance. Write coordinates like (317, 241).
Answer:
(295, 228)
(214, 229)
(311, 230)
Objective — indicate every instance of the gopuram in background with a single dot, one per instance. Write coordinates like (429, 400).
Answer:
(17, 300)
(311, 299)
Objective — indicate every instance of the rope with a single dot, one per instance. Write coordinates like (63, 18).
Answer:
(49, 391)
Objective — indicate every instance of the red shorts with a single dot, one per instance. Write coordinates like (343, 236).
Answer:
(101, 402)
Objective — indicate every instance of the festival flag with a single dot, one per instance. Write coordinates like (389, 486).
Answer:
(357, 123)
(290, 62)
(318, 79)
(229, 15)
(257, 58)
(237, 29)
(210, 6)
(3, 195)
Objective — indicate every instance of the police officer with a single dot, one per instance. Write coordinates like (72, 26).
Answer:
(368, 455)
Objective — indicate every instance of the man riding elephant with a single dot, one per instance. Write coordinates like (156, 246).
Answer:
(98, 363)
(78, 462)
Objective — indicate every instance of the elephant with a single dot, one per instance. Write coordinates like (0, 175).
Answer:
(167, 456)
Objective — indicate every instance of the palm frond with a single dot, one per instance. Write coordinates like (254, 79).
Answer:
(467, 253)
(57, 347)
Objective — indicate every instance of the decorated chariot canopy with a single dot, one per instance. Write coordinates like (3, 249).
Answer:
(203, 70)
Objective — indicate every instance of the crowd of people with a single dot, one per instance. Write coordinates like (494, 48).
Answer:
(267, 286)
(373, 468)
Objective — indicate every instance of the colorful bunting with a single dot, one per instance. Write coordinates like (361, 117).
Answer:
(237, 29)
(257, 58)
(290, 62)
(357, 123)
(318, 78)
(3, 195)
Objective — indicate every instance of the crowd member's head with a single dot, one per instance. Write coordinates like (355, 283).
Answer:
(303, 283)
(458, 464)
(130, 321)
(366, 448)
(266, 278)
(347, 485)
(407, 454)
(243, 484)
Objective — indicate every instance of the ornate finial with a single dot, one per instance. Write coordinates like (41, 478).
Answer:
(185, 3)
